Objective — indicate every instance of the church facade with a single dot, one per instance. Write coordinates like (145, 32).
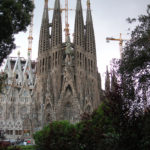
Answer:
(68, 82)
(16, 104)
(61, 85)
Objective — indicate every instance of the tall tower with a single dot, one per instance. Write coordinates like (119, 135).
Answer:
(67, 79)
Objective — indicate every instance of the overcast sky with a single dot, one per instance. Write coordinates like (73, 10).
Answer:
(109, 18)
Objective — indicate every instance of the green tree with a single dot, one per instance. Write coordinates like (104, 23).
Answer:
(102, 129)
(15, 16)
(56, 136)
(145, 140)
(135, 64)
(134, 72)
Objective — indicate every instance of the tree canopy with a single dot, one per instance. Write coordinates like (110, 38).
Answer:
(15, 16)
(135, 64)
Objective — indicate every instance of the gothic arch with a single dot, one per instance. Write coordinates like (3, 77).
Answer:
(48, 113)
(68, 87)
(23, 111)
(11, 111)
(88, 108)
(27, 127)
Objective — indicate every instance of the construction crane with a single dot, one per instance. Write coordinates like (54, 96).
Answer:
(30, 37)
(66, 20)
(120, 42)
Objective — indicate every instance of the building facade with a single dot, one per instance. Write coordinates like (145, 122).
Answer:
(68, 82)
(16, 98)
(65, 83)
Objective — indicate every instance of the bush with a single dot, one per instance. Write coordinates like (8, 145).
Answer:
(56, 136)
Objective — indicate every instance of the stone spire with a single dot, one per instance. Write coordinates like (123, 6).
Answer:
(113, 81)
(90, 38)
(44, 43)
(79, 26)
(56, 25)
(107, 81)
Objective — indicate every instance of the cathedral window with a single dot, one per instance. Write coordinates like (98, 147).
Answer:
(83, 60)
(27, 76)
(23, 112)
(48, 118)
(1, 111)
(16, 132)
(88, 109)
(17, 76)
(19, 132)
(80, 60)
(40, 67)
(46, 64)
(92, 66)
(85, 63)
(12, 111)
(68, 112)
(10, 132)
(43, 65)
(58, 57)
(89, 64)
(49, 65)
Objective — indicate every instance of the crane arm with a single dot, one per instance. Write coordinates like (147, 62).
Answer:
(113, 39)
(120, 42)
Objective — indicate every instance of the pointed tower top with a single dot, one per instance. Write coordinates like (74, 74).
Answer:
(57, 4)
(89, 16)
(56, 30)
(44, 43)
(113, 81)
(79, 37)
(79, 5)
(107, 81)
(88, 4)
(46, 1)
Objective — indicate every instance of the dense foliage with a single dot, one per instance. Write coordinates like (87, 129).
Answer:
(57, 135)
(15, 16)
(135, 65)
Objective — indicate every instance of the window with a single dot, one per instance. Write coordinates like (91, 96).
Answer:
(16, 132)
(17, 76)
(68, 112)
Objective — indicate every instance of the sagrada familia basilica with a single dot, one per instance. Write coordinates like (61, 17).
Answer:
(61, 85)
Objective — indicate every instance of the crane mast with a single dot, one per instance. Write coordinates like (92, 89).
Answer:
(66, 20)
(120, 42)
(30, 37)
